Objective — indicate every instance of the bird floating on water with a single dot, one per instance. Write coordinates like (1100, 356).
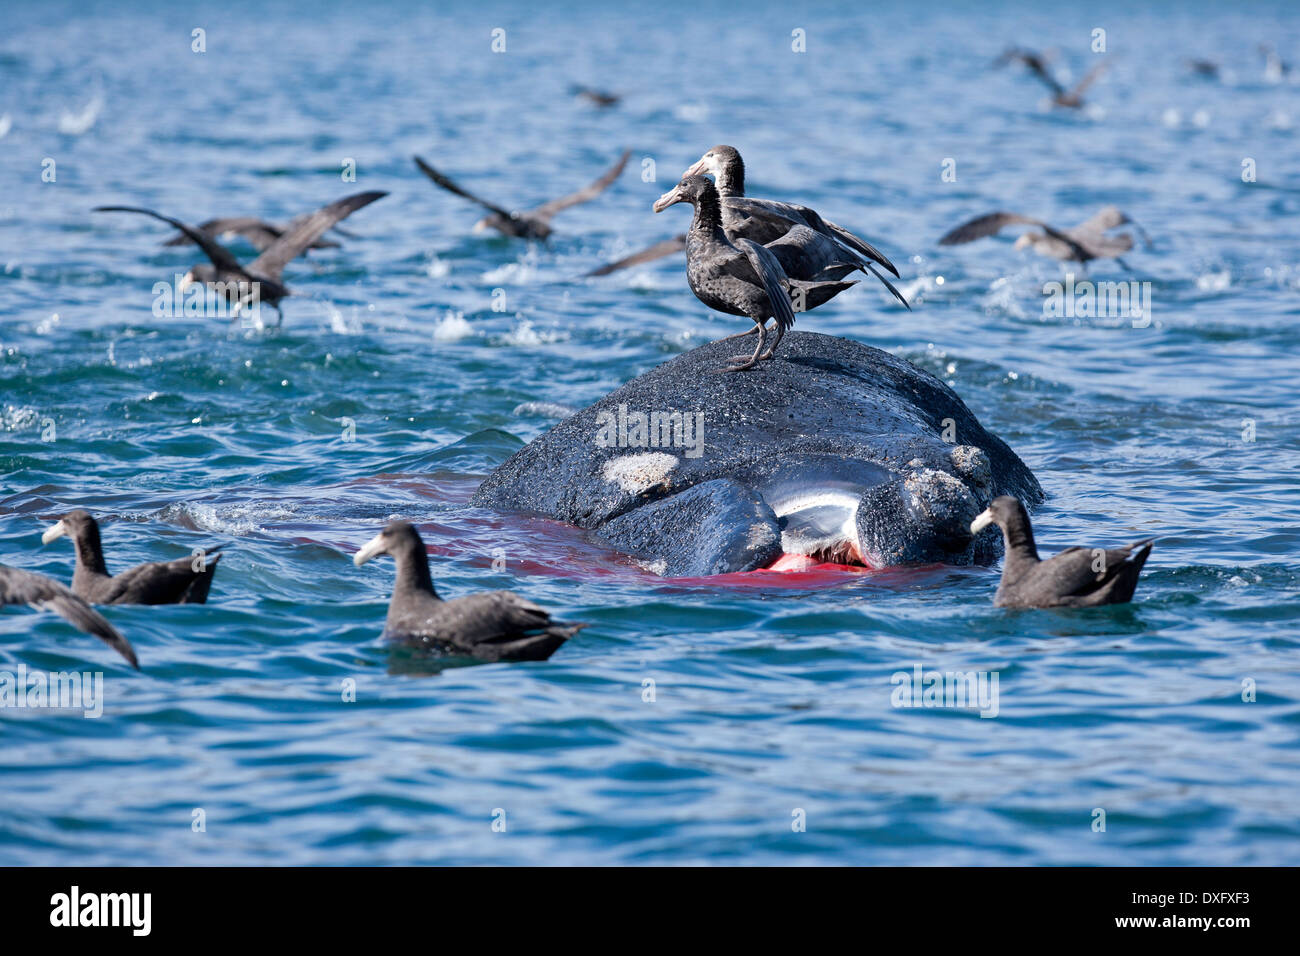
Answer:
(595, 97)
(1037, 64)
(491, 625)
(532, 223)
(740, 277)
(1076, 577)
(1082, 243)
(157, 582)
(262, 279)
(47, 594)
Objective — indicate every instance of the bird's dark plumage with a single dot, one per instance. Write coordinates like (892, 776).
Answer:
(740, 277)
(490, 626)
(530, 224)
(26, 587)
(257, 232)
(157, 582)
(1076, 577)
(264, 273)
(1037, 64)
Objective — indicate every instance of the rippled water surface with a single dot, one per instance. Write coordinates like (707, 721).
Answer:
(770, 697)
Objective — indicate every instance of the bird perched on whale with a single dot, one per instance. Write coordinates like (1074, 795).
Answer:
(157, 582)
(262, 279)
(1076, 577)
(27, 587)
(1082, 243)
(490, 626)
(741, 277)
(1037, 64)
(532, 223)
(811, 248)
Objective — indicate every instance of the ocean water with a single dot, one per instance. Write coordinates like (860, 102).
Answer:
(771, 694)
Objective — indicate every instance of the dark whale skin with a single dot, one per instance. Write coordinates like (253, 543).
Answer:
(824, 405)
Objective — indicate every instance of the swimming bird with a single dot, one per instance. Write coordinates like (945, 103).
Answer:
(491, 625)
(1037, 63)
(740, 277)
(47, 594)
(1076, 577)
(532, 223)
(1082, 243)
(595, 97)
(158, 582)
(261, 280)
(257, 232)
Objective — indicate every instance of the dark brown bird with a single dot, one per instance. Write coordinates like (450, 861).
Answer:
(1037, 64)
(533, 223)
(47, 594)
(1084, 242)
(595, 97)
(258, 233)
(158, 582)
(741, 277)
(1076, 577)
(490, 626)
(261, 280)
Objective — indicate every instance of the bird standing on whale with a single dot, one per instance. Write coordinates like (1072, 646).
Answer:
(1082, 243)
(27, 587)
(1076, 577)
(157, 582)
(261, 280)
(741, 277)
(532, 223)
(491, 625)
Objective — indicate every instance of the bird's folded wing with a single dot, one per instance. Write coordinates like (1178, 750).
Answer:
(221, 257)
(769, 271)
(296, 241)
(657, 251)
(493, 617)
(451, 187)
(587, 193)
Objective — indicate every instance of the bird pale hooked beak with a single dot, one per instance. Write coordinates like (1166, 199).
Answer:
(371, 549)
(670, 198)
(701, 168)
(54, 532)
(982, 521)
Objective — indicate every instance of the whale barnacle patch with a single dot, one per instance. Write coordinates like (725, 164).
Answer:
(636, 474)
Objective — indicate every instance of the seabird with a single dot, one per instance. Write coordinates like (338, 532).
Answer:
(595, 97)
(1203, 67)
(532, 223)
(263, 274)
(1275, 68)
(1076, 577)
(259, 233)
(158, 582)
(47, 594)
(1086, 241)
(740, 277)
(810, 248)
(491, 626)
(1037, 63)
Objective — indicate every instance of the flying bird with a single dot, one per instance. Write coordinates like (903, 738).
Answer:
(1087, 241)
(158, 582)
(490, 625)
(1037, 64)
(1076, 577)
(47, 594)
(262, 279)
(256, 232)
(532, 223)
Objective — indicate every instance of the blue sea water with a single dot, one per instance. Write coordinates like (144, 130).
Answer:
(769, 698)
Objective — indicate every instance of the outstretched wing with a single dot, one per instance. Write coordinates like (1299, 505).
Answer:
(657, 251)
(451, 187)
(25, 587)
(769, 271)
(546, 210)
(221, 257)
(294, 242)
(1036, 63)
(986, 225)
(260, 234)
(1088, 79)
